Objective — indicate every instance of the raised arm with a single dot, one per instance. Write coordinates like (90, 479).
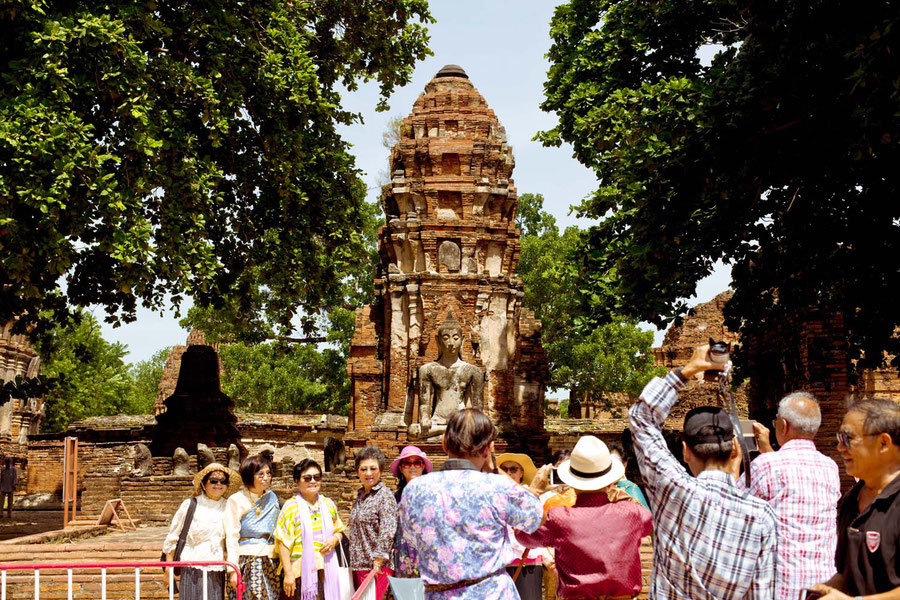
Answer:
(648, 416)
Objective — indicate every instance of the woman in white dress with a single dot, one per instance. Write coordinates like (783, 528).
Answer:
(205, 539)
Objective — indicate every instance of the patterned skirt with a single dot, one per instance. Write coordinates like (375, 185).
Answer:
(260, 577)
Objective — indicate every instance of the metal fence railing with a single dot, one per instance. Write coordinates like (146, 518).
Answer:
(103, 567)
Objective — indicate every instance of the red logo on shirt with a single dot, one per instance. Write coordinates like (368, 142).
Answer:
(873, 540)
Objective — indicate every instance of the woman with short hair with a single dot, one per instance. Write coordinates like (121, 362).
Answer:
(373, 522)
(309, 529)
(205, 540)
(250, 518)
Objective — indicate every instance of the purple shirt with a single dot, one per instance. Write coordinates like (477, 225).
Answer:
(597, 545)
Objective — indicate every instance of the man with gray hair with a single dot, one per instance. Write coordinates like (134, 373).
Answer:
(803, 487)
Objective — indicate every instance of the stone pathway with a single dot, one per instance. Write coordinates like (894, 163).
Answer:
(143, 544)
(30, 522)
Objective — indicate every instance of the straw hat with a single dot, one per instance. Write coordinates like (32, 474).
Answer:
(590, 467)
(406, 453)
(234, 478)
(523, 460)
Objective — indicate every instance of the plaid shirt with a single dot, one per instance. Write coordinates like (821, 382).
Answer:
(714, 540)
(803, 486)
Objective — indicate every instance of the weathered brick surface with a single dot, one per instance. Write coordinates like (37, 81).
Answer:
(18, 418)
(450, 244)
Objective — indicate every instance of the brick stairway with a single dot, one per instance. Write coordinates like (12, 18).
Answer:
(143, 544)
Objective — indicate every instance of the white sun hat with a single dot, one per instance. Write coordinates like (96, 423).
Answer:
(590, 467)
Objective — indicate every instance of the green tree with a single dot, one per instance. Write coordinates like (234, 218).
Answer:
(779, 157)
(145, 377)
(591, 360)
(285, 378)
(151, 150)
(88, 374)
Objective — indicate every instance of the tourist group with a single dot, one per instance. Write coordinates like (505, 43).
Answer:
(483, 527)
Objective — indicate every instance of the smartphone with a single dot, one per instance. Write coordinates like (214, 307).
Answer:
(554, 478)
(749, 436)
(810, 594)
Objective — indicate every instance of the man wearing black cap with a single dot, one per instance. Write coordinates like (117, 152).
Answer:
(714, 540)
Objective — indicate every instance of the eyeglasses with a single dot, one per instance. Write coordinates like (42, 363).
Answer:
(511, 469)
(413, 463)
(217, 481)
(845, 438)
(263, 474)
(308, 478)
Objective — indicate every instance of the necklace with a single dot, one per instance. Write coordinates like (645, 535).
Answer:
(257, 504)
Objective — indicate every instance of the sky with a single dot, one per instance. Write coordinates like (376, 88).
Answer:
(501, 45)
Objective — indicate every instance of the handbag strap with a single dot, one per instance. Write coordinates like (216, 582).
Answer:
(182, 538)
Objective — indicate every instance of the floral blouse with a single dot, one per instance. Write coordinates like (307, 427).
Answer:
(457, 519)
(373, 522)
(206, 535)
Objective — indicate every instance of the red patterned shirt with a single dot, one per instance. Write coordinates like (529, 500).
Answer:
(597, 545)
(803, 486)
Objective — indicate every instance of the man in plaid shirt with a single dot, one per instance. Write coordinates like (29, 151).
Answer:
(803, 486)
(713, 540)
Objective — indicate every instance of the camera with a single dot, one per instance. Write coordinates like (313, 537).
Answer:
(719, 353)
(810, 594)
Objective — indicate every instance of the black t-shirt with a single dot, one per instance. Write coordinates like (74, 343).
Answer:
(868, 550)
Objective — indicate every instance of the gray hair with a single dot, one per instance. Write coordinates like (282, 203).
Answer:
(880, 415)
(792, 409)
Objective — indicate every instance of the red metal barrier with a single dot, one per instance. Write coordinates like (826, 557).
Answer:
(103, 566)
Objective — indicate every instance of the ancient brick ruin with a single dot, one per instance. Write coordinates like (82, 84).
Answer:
(18, 418)
(449, 250)
(197, 411)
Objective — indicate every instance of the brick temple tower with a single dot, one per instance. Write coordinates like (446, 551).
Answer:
(450, 245)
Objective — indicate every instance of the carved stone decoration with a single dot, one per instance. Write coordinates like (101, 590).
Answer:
(205, 456)
(181, 463)
(143, 461)
(18, 417)
(448, 255)
(335, 455)
(451, 198)
(234, 457)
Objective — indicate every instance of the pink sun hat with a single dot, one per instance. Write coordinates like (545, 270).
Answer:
(406, 453)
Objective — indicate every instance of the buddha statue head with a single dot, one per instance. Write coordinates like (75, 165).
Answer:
(450, 337)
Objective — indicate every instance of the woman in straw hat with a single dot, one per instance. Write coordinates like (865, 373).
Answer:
(597, 541)
(520, 468)
(205, 539)
(411, 463)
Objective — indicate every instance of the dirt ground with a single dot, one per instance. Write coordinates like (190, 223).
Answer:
(28, 522)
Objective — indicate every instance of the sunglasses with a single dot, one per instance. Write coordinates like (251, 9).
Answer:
(413, 463)
(217, 481)
(511, 469)
(309, 478)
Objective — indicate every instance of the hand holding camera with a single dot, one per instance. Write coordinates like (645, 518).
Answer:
(712, 357)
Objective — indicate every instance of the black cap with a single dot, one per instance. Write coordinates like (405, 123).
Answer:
(707, 416)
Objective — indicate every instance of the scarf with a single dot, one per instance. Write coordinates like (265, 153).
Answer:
(309, 579)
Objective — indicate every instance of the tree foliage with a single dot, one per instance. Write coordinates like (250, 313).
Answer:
(150, 150)
(285, 378)
(89, 376)
(779, 157)
(145, 377)
(592, 360)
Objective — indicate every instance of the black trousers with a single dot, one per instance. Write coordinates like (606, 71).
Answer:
(529, 583)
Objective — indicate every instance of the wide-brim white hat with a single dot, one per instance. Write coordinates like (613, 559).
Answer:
(590, 467)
